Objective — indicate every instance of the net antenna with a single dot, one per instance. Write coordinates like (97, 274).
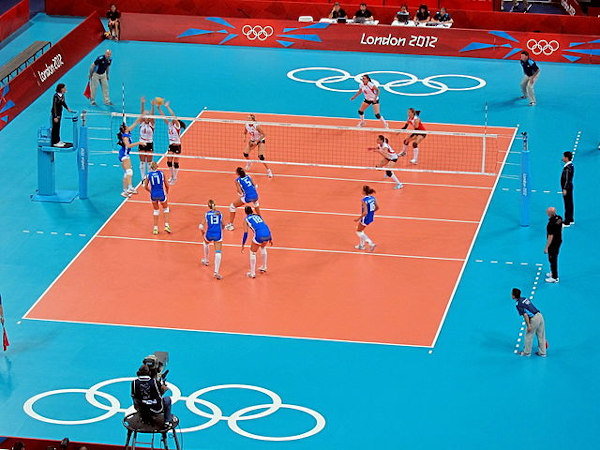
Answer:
(123, 101)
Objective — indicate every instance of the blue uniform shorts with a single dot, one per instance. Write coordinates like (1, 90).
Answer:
(213, 237)
(366, 220)
(261, 239)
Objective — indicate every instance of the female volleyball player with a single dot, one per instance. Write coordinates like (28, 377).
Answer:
(212, 231)
(416, 138)
(256, 139)
(262, 237)
(125, 146)
(371, 93)
(369, 206)
(155, 184)
(247, 192)
(146, 138)
(389, 157)
(176, 127)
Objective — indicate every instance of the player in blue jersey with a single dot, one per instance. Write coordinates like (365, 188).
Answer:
(125, 145)
(262, 237)
(155, 184)
(247, 192)
(212, 231)
(369, 206)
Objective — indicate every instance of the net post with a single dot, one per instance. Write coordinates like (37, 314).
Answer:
(525, 182)
(83, 157)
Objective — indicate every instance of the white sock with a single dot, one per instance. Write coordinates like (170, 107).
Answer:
(253, 262)
(130, 186)
(361, 236)
(172, 170)
(217, 261)
(205, 250)
(175, 171)
(143, 169)
(416, 153)
(395, 178)
(263, 252)
(382, 120)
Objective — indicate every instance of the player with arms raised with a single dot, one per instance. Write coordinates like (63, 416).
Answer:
(262, 237)
(371, 93)
(212, 231)
(146, 138)
(125, 146)
(414, 121)
(369, 206)
(155, 184)
(175, 127)
(389, 157)
(247, 192)
(256, 139)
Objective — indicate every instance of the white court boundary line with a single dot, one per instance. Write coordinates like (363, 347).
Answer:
(297, 249)
(462, 270)
(123, 202)
(325, 213)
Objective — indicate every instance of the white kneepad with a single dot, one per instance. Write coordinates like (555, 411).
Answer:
(129, 172)
(156, 212)
(232, 208)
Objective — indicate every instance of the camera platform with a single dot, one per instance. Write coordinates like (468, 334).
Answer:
(135, 425)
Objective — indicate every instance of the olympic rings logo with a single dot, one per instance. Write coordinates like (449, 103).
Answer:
(257, 32)
(542, 46)
(216, 414)
(408, 80)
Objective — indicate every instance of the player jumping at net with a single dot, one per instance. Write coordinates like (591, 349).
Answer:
(262, 237)
(175, 127)
(212, 231)
(369, 206)
(256, 140)
(415, 138)
(146, 138)
(155, 184)
(125, 146)
(247, 192)
(371, 93)
(389, 157)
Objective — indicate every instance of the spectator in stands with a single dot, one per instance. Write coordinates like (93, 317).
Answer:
(114, 22)
(422, 15)
(442, 16)
(515, 5)
(58, 103)
(403, 16)
(99, 75)
(18, 446)
(531, 72)
(363, 14)
(337, 12)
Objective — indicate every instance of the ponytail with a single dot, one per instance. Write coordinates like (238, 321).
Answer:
(182, 124)
(122, 130)
(368, 190)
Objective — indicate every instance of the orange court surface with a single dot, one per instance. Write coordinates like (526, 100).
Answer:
(317, 285)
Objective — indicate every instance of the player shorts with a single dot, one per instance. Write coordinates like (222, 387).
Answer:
(123, 156)
(175, 148)
(392, 160)
(253, 143)
(422, 133)
(366, 220)
(147, 147)
(261, 239)
(253, 201)
(158, 198)
(371, 102)
(213, 237)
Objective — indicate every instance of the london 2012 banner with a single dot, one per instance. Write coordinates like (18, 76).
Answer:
(366, 38)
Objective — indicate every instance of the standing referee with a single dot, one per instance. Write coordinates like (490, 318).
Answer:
(58, 103)
(566, 184)
(553, 242)
(99, 75)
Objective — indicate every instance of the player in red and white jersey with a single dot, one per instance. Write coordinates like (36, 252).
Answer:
(371, 93)
(414, 121)
(146, 139)
(389, 157)
(256, 139)
(175, 128)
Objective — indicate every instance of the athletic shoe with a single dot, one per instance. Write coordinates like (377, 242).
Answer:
(523, 96)
(251, 275)
(551, 280)
(167, 228)
(531, 103)
(403, 153)
(372, 247)
(229, 227)
(385, 124)
(217, 276)
(540, 354)
(204, 262)
(125, 194)
(524, 354)
(413, 161)
(361, 123)
(549, 275)
(93, 103)
(109, 104)
(399, 186)
(359, 247)
(155, 230)
(269, 173)
(132, 191)
(248, 165)
(573, 223)
(262, 269)
(566, 225)
(171, 181)
(60, 144)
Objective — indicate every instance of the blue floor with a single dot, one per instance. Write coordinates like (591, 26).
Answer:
(471, 392)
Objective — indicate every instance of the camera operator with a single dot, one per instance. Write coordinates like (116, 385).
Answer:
(147, 392)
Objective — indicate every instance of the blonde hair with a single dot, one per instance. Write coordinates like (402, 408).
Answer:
(154, 165)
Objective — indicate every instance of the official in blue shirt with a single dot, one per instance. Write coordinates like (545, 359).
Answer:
(99, 75)
(531, 72)
(535, 324)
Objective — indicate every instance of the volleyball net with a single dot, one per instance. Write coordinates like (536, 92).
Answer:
(327, 142)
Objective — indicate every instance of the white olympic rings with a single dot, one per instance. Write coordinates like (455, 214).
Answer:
(410, 79)
(216, 414)
(542, 46)
(257, 32)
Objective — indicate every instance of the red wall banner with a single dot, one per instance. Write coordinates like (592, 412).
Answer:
(361, 38)
(49, 68)
(13, 19)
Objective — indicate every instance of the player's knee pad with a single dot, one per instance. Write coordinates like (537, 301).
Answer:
(156, 212)
(169, 164)
(415, 145)
(261, 157)
(388, 173)
(232, 208)
(361, 113)
(246, 155)
(129, 172)
(166, 210)
(405, 142)
(378, 116)
(176, 165)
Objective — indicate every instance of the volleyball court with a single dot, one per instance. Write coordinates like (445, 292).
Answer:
(317, 284)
